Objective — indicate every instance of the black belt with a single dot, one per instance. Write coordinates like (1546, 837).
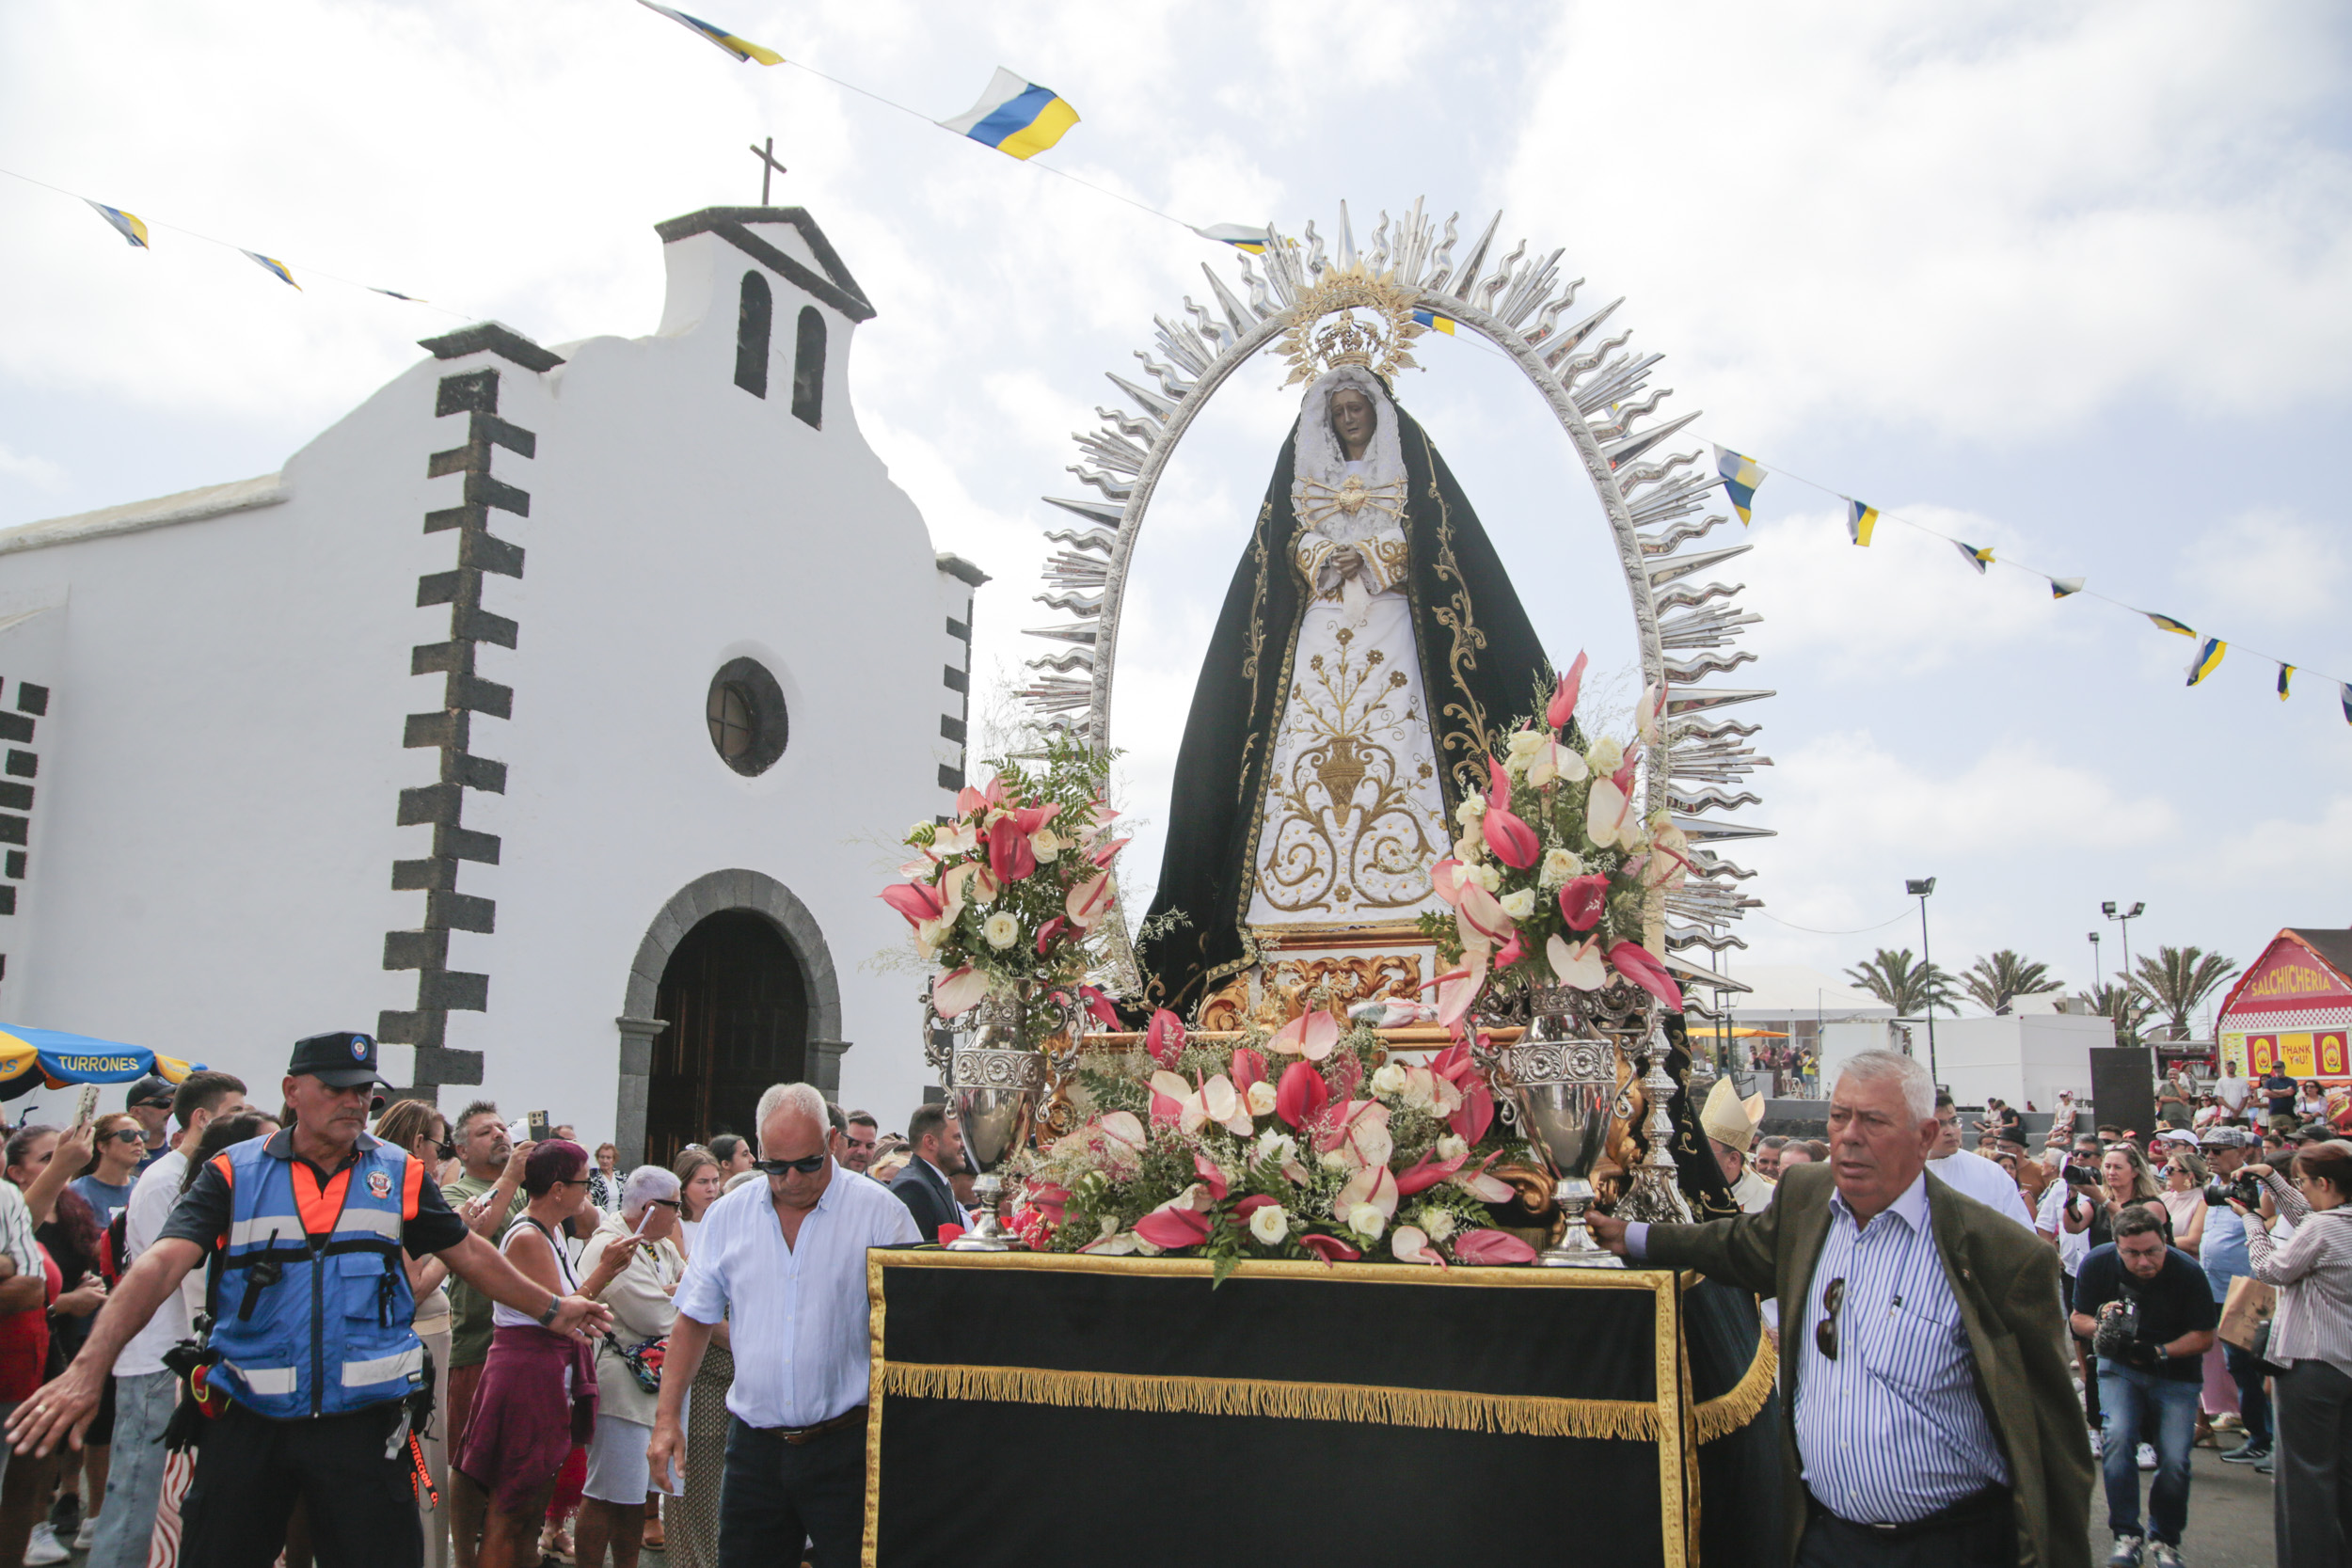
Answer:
(1977, 1507)
(854, 1415)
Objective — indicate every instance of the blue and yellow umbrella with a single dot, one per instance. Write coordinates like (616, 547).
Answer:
(38, 1058)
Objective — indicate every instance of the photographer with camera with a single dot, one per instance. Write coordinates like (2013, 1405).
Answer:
(2147, 1312)
(2223, 1256)
(2311, 1336)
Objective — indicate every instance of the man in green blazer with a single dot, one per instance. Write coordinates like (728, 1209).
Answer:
(1929, 1411)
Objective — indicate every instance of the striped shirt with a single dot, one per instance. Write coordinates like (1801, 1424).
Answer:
(1892, 1428)
(2314, 1273)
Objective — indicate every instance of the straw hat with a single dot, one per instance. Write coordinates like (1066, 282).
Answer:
(1728, 1119)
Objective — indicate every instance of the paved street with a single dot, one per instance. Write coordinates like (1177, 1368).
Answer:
(2229, 1515)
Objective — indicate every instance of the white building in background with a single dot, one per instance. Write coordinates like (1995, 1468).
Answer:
(2024, 1058)
(553, 715)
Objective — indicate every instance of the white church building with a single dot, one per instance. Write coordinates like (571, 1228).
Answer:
(553, 715)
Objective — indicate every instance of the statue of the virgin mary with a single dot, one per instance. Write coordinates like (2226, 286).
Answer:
(1369, 655)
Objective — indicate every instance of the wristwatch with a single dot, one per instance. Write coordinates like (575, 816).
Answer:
(547, 1319)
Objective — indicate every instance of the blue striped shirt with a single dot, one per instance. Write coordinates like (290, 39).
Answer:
(1891, 1429)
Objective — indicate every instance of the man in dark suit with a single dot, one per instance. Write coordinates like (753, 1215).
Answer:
(1927, 1410)
(923, 1185)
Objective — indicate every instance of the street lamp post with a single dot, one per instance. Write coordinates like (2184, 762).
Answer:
(1919, 887)
(2126, 917)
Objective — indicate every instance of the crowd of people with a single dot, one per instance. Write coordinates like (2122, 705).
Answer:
(2155, 1293)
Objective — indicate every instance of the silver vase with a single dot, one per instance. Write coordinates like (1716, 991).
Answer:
(1561, 1093)
(993, 1085)
(1628, 1017)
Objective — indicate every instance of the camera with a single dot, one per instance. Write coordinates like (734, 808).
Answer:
(2077, 1177)
(2119, 1327)
(2233, 1189)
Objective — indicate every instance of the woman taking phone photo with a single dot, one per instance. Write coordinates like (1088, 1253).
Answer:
(613, 1510)
(2311, 1335)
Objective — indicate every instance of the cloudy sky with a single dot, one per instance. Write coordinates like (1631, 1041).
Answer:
(2066, 279)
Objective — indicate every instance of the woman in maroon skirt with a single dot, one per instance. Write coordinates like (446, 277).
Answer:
(538, 1393)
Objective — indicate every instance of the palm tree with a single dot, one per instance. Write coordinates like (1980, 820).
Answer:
(1910, 989)
(2178, 978)
(1993, 983)
(2121, 1005)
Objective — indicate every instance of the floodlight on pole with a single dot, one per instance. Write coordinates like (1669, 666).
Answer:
(2124, 917)
(1919, 887)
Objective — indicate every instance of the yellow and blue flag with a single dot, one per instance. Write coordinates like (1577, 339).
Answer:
(2285, 673)
(1241, 236)
(2208, 659)
(129, 226)
(1979, 559)
(1740, 477)
(275, 268)
(2061, 587)
(1435, 322)
(1860, 520)
(743, 49)
(2166, 623)
(2343, 695)
(1015, 116)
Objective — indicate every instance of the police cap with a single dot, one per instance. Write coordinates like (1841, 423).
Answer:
(342, 1060)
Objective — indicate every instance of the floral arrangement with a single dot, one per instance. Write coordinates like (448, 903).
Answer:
(1557, 877)
(1306, 1143)
(1005, 897)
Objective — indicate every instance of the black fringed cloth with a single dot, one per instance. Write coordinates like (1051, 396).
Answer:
(1036, 1409)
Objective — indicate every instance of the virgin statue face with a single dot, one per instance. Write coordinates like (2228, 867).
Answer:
(1352, 421)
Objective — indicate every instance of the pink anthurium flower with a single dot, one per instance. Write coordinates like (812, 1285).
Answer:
(1164, 1037)
(914, 900)
(1458, 989)
(1513, 842)
(1498, 786)
(1312, 1033)
(1480, 911)
(1582, 900)
(1489, 1189)
(1492, 1247)
(1329, 1248)
(1248, 1068)
(1513, 951)
(1635, 963)
(1046, 933)
(1250, 1205)
(955, 991)
(1119, 1137)
(1089, 901)
(1562, 704)
(1210, 1175)
(1301, 1095)
(1360, 1134)
(969, 801)
(1173, 1229)
(1446, 876)
(1608, 814)
(1409, 1243)
(1552, 761)
(1217, 1101)
(1110, 852)
(1374, 1185)
(1622, 777)
(1578, 965)
(1032, 820)
(1009, 854)
(1169, 1094)
(1426, 1172)
(957, 839)
(1098, 1006)
(1476, 1113)
(1047, 1199)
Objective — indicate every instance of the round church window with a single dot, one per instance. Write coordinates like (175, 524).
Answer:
(745, 711)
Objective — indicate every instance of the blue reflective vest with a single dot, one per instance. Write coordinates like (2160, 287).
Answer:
(311, 1313)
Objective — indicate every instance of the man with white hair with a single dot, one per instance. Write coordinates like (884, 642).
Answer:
(1925, 1390)
(783, 1261)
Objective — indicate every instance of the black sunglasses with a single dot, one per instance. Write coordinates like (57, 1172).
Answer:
(809, 1167)
(663, 1203)
(1825, 1333)
(127, 1134)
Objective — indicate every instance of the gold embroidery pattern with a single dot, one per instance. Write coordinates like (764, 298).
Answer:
(1346, 834)
(1469, 774)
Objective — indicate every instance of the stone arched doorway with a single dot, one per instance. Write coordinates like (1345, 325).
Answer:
(732, 988)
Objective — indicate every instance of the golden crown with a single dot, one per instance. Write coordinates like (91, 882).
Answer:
(1374, 329)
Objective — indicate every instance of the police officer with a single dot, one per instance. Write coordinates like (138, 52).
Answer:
(312, 1325)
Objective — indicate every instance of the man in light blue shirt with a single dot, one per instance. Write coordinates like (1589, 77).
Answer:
(783, 1263)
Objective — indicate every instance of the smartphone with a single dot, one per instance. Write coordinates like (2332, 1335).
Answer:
(645, 1219)
(535, 1125)
(86, 1107)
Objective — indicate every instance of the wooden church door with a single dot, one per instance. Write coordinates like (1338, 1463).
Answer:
(737, 1009)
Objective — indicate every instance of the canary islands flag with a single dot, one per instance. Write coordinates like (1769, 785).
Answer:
(2166, 623)
(1241, 236)
(275, 268)
(743, 49)
(1435, 322)
(1979, 559)
(2285, 673)
(2208, 659)
(1860, 520)
(2343, 695)
(2061, 587)
(1016, 118)
(128, 227)
(1740, 478)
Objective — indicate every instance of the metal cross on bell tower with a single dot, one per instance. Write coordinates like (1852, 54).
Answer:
(768, 166)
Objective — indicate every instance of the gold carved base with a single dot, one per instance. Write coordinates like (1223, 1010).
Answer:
(1332, 969)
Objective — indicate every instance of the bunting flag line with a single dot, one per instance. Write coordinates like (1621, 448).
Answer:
(1241, 236)
(1015, 116)
(276, 269)
(2285, 673)
(742, 48)
(125, 224)
(2208, 659)
(2166, 623)
(397, 294)
(1979, 559)
(1860, 520)
(2344, 694)
(2061, 587)
(1434, 321)
(1740, 478)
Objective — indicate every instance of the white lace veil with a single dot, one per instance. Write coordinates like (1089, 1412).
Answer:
(1320, 457)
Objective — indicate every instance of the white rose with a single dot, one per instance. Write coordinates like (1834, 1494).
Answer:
(1270, 1225)
(1524, 744)
(1560, 865)
(1045, 847)
(1389, 1079)
(1367, 1220)
(1002, 929)
(1334, 1160)
(1519, 905)
(1439, 1223)
(1452, 1148)
(1470, 810)
(1605, 755)
(1489, 877)
(1273, 1144)
(1262, 1099)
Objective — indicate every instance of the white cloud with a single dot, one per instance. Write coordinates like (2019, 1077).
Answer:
(39, 472)
(2268, 564)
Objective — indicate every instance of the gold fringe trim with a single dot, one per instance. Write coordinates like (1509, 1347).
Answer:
(1446, 1409)
(1726, 1413)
